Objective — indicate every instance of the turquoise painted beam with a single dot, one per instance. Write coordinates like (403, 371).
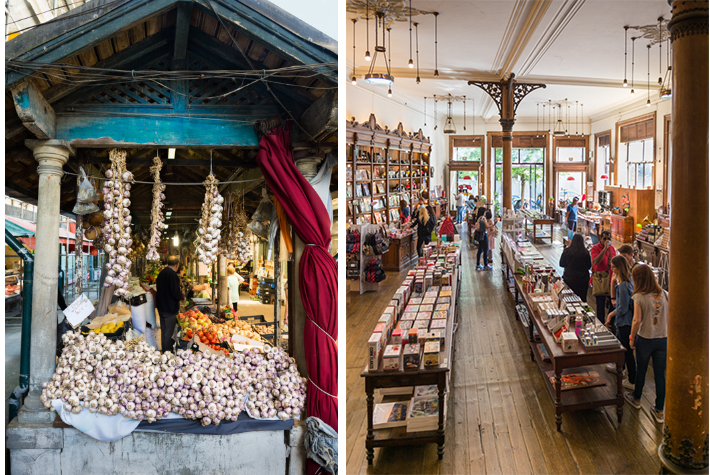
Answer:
(96, 130)
(34, 111)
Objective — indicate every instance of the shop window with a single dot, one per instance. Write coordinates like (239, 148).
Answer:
(603, 166)
(467, 154)
(528, 178)
(569, 185)
(637, 156)
(570, 155)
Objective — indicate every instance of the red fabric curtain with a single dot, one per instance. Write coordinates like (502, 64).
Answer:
(318, 281)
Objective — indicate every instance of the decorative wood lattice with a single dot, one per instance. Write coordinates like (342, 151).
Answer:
(132, 93)
(223, 92)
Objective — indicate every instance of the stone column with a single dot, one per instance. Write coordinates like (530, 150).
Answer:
(507, 163)
(51, 155)
(222, 288)
(685, 436)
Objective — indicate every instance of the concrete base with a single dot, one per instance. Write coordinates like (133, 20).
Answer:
(41, 448)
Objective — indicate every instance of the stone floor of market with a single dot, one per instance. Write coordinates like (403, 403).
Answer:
(501, 418)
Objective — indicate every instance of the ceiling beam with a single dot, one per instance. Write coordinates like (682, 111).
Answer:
(182, 28)
(34, 111)
(320, 120)
(176, 162)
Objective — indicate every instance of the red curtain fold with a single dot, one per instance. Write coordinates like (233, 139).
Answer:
(318, 281)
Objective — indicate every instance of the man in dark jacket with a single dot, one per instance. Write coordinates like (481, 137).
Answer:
(167, 301)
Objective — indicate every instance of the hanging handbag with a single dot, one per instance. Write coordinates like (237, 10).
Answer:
(600, 282)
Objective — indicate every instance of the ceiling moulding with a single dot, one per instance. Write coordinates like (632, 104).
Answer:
(627, 107)
(564, 15)
(532, 21)
(510, 30)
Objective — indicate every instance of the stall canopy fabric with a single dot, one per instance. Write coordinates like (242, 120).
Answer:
(17, 230)
(318, 282)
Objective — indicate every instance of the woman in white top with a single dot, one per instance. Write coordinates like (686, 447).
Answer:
(649, 337)
(234, 281)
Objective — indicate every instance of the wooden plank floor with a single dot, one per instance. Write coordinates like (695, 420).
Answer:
(501, 419)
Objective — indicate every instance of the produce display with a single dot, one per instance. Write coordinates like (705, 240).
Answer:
(135, 380)
(156, 212)
(210, 222)
(117, 219)
(236, 235)
(194, 321)
(109, 328)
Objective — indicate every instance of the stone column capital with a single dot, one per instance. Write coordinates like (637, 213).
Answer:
(51, 155)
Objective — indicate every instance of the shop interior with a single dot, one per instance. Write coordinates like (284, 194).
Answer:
(501, 96)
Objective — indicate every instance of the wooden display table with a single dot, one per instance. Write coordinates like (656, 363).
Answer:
(591, 224)
(584, 360)
(539, 222)
(424, 376)
(401, 254)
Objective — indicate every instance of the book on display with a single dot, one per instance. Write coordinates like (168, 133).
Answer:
(390, 414)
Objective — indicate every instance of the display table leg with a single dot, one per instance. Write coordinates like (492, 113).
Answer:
(619, 386)
(440, 430)
(370, 432)
(558, 399)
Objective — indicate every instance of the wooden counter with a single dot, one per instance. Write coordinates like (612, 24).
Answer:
(401, 254)
(622, 228)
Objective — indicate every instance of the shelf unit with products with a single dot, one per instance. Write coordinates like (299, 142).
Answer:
(383, 167)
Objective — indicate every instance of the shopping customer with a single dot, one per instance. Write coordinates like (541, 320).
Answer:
(628, 252)
(482, 227)
(576, 261)
(460, 202)
(571, 217)
(624, 313)
(649, 337)
(425, 225)
(167, 301)
(492, 235)
(403, 211)
(234, 282)
(602, 253)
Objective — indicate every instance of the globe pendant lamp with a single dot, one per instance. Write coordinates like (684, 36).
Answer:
(380, 79)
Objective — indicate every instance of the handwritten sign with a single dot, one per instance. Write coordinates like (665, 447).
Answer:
(78, 310)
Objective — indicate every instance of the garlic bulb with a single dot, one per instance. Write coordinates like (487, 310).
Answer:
(117, 216)
(156, 214)
(211, 212)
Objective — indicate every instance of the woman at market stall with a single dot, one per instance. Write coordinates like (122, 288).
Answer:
(649, 337)
(234, 282)
(624, 313)
(601, 254)
(576, 261)
(425, 225)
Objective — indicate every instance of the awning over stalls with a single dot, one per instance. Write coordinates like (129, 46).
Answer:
(27, 231)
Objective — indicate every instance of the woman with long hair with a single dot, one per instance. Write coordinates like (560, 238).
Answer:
(403, 211)
(425, 225)
(577, 262)
(649, 337)
(624, 313)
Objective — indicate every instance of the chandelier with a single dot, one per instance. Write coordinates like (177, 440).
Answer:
(449, 126)
(656, 34)
(385, 13)
(559, 112)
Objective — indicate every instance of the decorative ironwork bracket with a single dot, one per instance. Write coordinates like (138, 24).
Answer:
(516, 93)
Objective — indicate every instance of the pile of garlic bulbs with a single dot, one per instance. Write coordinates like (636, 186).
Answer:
(117, 220)
(243, 246)
(210, 222)
(139, 382)
(156, 212)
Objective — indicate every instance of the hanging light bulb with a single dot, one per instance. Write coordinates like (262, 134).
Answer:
(367, 31)
(648, 76)
(626, 31)
(559, 126)
(354, 79)
(176, 239)
(389, 92)
(436, 44)
(633, 62)
(411, 63)
(416, 29)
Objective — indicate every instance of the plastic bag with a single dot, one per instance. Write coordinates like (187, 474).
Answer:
(86, 195)
(259, 229)
(265, 210)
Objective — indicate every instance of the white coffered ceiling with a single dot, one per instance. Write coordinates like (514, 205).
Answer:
(575, 47)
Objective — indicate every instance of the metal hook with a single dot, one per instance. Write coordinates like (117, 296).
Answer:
(210, 161)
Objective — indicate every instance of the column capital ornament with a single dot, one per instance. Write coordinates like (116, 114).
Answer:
(514, 91)
(688, 19)
(507, 125)
(50, 154)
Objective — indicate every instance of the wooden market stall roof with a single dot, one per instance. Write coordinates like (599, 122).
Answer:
(193, 112)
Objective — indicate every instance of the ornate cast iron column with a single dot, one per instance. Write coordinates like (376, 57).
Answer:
(506, 94)
(685, 436)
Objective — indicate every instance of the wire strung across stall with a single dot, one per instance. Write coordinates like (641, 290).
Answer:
(166, 183)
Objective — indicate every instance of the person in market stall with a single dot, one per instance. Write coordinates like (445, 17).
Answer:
(602, 254)
(234, 282)
(649, 337)
(460, 201)
(571, 217)
(576, 261)
(623, 312)
(168, 295)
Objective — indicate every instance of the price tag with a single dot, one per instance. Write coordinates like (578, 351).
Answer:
(78, 310)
